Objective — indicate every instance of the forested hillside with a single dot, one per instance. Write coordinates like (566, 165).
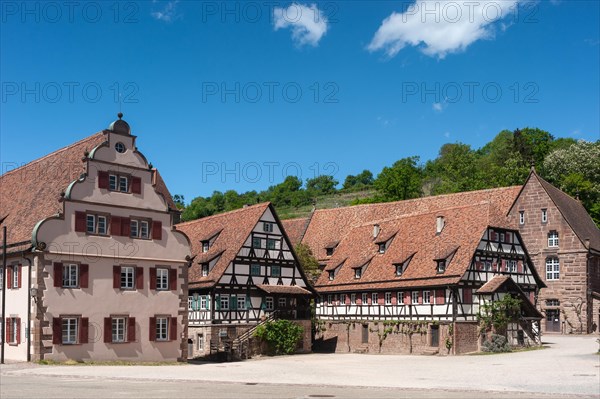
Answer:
(573, 166)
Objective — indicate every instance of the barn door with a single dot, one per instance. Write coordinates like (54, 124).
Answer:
(365, 334)
(435, 336)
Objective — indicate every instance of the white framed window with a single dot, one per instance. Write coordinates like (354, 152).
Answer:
(205, 246)
(388, 298)
(162, 279)
(553, 239)
(15, 276)
(1, 278)
(191, 303)
(382, 248)
(352, 299)
(268, 227)
(329, 299)
(487, 265)
(269, 304)
(102, 225)
(255, 269)
(400, 298)
(511, 266)
(275, 271)
(342, 299)
(358, 272)
(552, 269)
(331, 275)
(204, 269)
(127, 277)
(398, 269)
(521, 217)
(204, 302)
(123, 184)
(364, 299)
(162, 328)
(282, 302)
(144, 229)
(112, 182)
(441, 266)
(544, 215)
(70, 276)
(200, 342)
(427, 297)
(91, 223)
(69, 330)
(14, 330)
(119, 326)
(415, 297)
(241, 302)
(133, 228)
(224, 302)
(374, 297)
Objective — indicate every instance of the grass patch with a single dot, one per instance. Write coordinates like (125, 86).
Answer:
(71, 362)
(514, 350)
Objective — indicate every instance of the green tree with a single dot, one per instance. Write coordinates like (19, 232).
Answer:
(308, 262)
(401, 181)
(533, 145)
(179, 201)
(362, 180)
(281, 335)
(321, 185)
(454, 170)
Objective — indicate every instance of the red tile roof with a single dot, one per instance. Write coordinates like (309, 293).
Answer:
(283, 289)
(234, 226)
(493, 285)
(295, 229)
(31, 192)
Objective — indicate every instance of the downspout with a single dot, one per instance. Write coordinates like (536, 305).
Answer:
(28, 307)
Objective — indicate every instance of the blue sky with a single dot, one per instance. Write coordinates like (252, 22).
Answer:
(236, 95)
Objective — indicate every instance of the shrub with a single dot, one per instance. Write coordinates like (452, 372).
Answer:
(282, 336)
(497, 344)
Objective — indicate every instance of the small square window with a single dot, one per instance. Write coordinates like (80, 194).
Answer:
(275, 271)
(358, 272)
(553, 239)
(204, 269)
(268, 227)
(382, 248)
(256, 242)
(255, 269)
(205, 246)
(269, 304)
(329, 251)
(282, 302)
(271, 243)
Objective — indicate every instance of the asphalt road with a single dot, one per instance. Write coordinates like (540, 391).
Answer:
(568, 368)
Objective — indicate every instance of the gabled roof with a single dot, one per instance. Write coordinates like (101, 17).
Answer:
(508, 285)
(573, 211)
(295, 229)
(235, 227)
(415, 236)
(32, 192)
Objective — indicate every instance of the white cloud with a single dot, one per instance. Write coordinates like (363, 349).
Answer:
(439, 28)
(308, 23)
(439, 107)
(168, 12)
(447, 134)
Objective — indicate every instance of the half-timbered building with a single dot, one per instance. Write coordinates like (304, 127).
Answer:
(244, 272)
(408, 276)
(95, 270)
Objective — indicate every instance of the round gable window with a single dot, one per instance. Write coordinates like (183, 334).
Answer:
(120, 147)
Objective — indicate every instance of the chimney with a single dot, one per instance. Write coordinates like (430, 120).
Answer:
(376, 230)
(439, 225)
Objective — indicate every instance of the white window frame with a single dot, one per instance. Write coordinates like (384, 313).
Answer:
(162, 328)
(553, 239)
(200, 342)
(382, 248)
(388, 298)
(113, 182)
(521, 217)
(269, 303)
(224, 302)
(16, 270)
(241, 302)
(144, 229)
(70, 275)
(190, 302)
(204, 302)
(374, 298)
(205, 246)
(400, 298)
(426, 297)
(127, 277)
(162, 279)
(511, 266)
(1, 280)
(352, 299)
(282, 302)
(90, 218)
(102, 225)
(329, 299)
(414, 297)
(69, 330)
(342, 299)
(364, 299)
(134, 228)
(544, 215)
(552, 269)
(123, 180)
(268, 227)
(14, 330)
(119, 329)
(204, 269)
(358, 272)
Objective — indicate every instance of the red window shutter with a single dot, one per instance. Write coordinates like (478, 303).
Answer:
(56, 331)
(467, 296)
(84, 329)
(153, 278)
(139, 278)
(116, 277)
(508, 238)
(136, 185)
(173, 279)
(420, 297)
(172, 328)
(107, 329)
(80, 223)
(152, 329)
(532, 297)
(519, 267)
(440, 297)
(131, 329)
(102, 179)
(19, 272)
(347, 299)
(115, 225)
(58, 274)
(18, 330)
(84, 275)
(7, 329)
(9, 276)
(125, 225)
(157, 230)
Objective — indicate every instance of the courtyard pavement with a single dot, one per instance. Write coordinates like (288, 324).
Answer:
(569, 366)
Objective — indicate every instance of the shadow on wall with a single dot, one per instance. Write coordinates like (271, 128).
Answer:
(321, 345)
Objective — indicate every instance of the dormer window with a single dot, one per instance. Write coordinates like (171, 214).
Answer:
(329, 251)
(441, 265)
(439, 224)
(382, 248)
(204, 268)
(358, 272)
(205, 246)
(399, 269)
(268, 227)
(331, 275)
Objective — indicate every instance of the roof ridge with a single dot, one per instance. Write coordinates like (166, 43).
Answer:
(421, 198)
(262, 204)
(35, 161)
